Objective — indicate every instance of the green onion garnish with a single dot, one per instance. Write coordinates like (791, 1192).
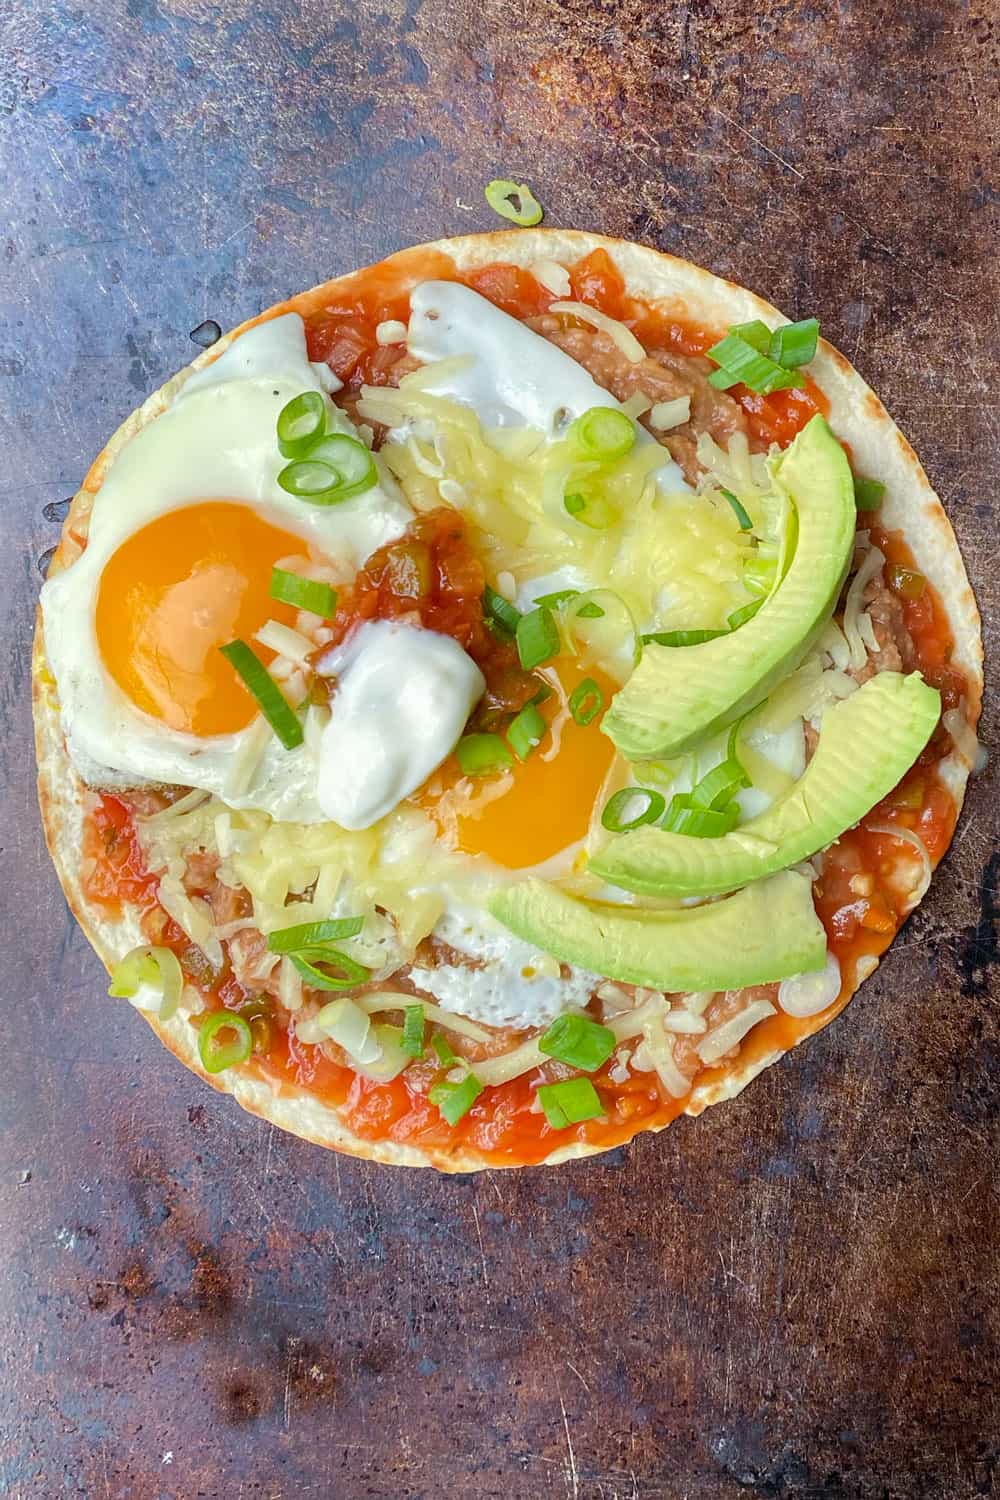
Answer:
(537, 638)
(684, 816)
(719, 786)
(681, 637)
(744, 613)
(613, 817)
(445, 1056)
(526, 731)
(314, 934)
(574, 504)
(301, 424)
(586, 701)
(478, 754)
(338, 467)
(303, 593)
(543, 695)
(499, 614)
(346, 973)
(745, 523)
(868, 493)
(412, 1039)
(590, 611)
(158, 967)
(500, 195)
(755, 333)
(456, 1099)
(794, 344)
(579, 1042)
(739, 361)
(553, 601)
(215, 1050)
(261, 686)
(603, 433)
(570, 1102)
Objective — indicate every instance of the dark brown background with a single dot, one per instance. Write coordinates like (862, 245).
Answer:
(795, 1296)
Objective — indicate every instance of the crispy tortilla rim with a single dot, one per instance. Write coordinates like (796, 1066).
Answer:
(679, 289)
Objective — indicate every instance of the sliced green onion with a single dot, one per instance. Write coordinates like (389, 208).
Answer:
(755, 333)
(347, 974)
(579, 1042)
(543, 695)
(613, 817)
(500, 614)
(744, 613)
(445, 1055)
(412, 1040)
(456, 1099)
(553, 601)
(216, 1052)
(759, 572)
(574, 504)
(337, 468)
(719, 786)
(537, 638)
(586, 701)
(262, 687)
(740, 361)
(745, 523)
(500, 194)
(303, 593)
(868, 493)
(158, 967)
(590, 611)
(681, 637)
(603, 433)
(314, 934)
(794, 344)
(570, 1102)
(683, 816)
(478, 754)
(526, 731)
(393, 1057)
(301, 424)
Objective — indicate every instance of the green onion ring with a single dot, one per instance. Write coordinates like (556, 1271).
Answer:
(215, 1053)
(614, 822)
(499, 194)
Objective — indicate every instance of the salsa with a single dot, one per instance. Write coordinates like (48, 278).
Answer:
(432, 572)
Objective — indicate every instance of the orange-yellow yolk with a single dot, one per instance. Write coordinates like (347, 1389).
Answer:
(539, 807)
(177, 590)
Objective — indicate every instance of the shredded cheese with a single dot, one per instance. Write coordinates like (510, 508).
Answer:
(668, 414)
(496, 1070)
(963, 736)
(392, 331)
(553, 277)
(721, 1039)
(623, 337)
(284, 640)
(871, 564)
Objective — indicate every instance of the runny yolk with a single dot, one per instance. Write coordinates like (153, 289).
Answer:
(172, 594)
(539, 807)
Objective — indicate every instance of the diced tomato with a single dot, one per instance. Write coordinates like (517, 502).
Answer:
(511, 288)
(114, 867)
(778, 417)
(597, 280)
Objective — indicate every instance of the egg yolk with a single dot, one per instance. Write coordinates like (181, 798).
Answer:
(540, 806)
(172, 594)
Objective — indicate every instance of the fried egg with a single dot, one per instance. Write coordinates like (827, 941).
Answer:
(185, 530)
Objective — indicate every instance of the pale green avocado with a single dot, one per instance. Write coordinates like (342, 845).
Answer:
(679, 695)
(867, 744)
(765, 933)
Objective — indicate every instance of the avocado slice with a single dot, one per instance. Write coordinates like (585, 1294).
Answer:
(679, 695)
(867, 744)
(765, 933)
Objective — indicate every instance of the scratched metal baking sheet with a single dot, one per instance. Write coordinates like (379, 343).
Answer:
(794, 1297)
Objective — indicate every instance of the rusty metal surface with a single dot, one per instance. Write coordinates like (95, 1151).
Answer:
(795, 1296)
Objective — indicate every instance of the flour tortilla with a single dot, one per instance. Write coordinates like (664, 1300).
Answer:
(857, 416)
